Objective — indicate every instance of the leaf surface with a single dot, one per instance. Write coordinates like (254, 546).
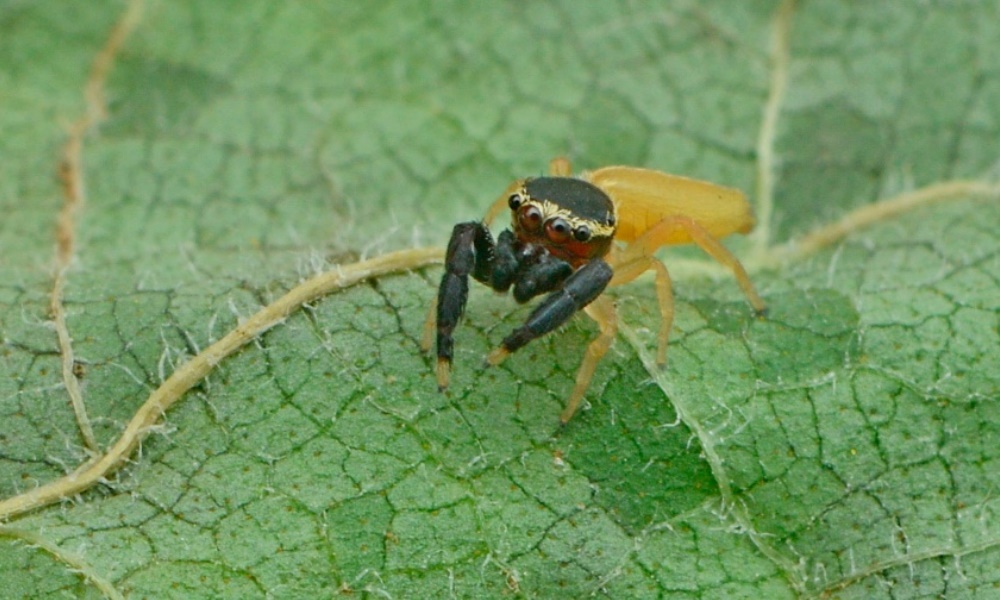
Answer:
(842, 446)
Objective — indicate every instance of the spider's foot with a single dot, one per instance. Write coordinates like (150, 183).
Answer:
(567, 414)
(443, 372)
(497, 356)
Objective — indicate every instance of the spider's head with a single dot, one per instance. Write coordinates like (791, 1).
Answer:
(572, 219)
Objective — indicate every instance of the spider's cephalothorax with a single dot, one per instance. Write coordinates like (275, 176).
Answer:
(561, 243)
(572, 219)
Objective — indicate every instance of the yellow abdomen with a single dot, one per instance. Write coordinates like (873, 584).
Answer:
(643, 198)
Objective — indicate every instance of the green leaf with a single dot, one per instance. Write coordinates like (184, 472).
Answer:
(842, 447)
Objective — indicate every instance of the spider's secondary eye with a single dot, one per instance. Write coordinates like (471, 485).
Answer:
(514, 201)
(530, 217)
(582, 233)
(558, 230)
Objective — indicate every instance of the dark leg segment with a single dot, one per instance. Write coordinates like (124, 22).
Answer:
(505, 262)
(470, 252)
(580, 289)
(482, 241)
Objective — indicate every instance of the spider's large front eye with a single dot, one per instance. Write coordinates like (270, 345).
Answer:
(530, 217)
(558, 230)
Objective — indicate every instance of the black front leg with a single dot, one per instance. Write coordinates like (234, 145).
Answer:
(580, 289)
(470, 252)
